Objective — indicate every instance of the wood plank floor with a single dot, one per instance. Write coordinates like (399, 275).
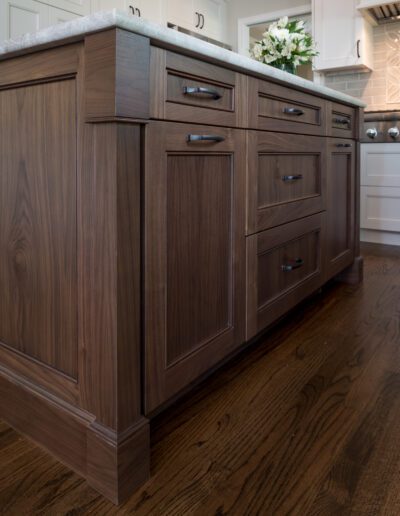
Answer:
(306, 422)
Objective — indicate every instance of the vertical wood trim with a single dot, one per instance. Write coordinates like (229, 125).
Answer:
(117, 68)
(109, 273)
(158, 82)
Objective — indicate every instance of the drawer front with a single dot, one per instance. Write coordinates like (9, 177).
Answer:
(342, 120)
(286, 178)
(277, 108)
(379, 164)
(380, 208)
(188, 90)
(284, 266)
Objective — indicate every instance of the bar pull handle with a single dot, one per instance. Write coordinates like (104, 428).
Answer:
(197, 90)
(358, 48)
(344, 145)
(293, 111)
(292, 178)
(296, 264)
(204, 138)
(138, 12)
(341, 121)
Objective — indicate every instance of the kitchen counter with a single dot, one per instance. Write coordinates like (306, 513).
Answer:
(115, 18)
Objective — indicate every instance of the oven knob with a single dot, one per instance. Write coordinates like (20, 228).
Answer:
(372, 133)
(394, 132)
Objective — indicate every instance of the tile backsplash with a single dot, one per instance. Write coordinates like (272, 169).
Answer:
(379, 89)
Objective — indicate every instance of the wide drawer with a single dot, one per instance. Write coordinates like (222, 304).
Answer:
(286, 178)
(283, 267)
(342, 120)
(190, 90)
(274, 107)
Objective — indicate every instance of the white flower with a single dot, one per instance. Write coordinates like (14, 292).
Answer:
(283, 22)
(257, 51)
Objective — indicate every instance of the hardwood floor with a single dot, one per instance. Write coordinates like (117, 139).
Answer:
(306, 422)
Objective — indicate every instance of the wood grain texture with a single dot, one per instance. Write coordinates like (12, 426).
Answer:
(306, 423)
(116, 75)
(271, 156)
(194, 254)
(38, 183)
(338, 113)
(267, 102)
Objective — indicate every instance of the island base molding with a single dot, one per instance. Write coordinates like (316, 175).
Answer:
(113, 463)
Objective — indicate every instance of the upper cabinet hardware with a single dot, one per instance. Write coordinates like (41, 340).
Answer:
(132, 9)
(293, 111)
(198, 20)
(358, 48)
(341, 121)
(203, 21)
(292, 178)
(296, 264)
(189, 90)
(204, 138)
(138, 12)
(344, 145)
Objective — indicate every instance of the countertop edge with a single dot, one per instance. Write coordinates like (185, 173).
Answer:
(117, 19)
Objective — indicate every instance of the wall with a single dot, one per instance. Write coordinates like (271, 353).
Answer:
(246, 8)
(380, 89)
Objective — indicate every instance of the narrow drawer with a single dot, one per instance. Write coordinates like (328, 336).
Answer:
(190, 90)
(342, 120)
(284, 266)
(286, 178)
(275, 107)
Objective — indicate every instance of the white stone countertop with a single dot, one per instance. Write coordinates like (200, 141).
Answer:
(115, 18)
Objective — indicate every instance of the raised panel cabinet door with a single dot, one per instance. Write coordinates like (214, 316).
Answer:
(182, 14)
(81, 7)
(106, 5)
(286, 178)
(340, 206)
(147, 9)
(18, 17)
(211, 18)
(57, 16)
(194, 257)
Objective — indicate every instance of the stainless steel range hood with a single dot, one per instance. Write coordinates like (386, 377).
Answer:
(380, 12)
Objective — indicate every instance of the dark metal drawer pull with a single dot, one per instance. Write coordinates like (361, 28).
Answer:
(341, 121)
(344, 145)
(293, 111)
(288, 267)
(204, 138)
(138, 12)
(188, 90)
(292, 178)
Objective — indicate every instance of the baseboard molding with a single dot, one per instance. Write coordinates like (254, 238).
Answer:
(379, 237)
(114, 463)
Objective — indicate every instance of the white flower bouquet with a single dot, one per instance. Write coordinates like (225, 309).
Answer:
(285, 45)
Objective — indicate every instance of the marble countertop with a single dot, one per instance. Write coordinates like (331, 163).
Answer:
(115, 18)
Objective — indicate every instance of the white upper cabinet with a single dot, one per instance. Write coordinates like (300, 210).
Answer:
(343, 36)
(57, 16)
(206, 17)
(81, 7)
(17, 17)
(148, 9)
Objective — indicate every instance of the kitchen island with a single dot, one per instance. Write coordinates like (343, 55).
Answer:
(162, 202)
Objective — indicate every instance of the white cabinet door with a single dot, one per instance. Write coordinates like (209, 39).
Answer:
(380, 208)
(379, 163)
(17, 17)
(81, 7)
(107, 5)
(343, 36)
(57, 16)
(212, 19)
(182, 14)
(148, 9)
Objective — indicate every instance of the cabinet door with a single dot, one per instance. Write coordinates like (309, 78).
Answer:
(182, 14)
(342, 36)
(107, 5)
(81, 7)
(340, 206)
(194, 258)
(18, 17)
(211, 23)
(57, 16)
(147, 9)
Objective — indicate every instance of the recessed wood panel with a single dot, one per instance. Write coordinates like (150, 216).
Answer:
(287, 177)
(272, 107)
(340, 206)
(199, 265)
(38, 305)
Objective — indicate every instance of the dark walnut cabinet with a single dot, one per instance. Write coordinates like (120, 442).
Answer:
(157, 211)
(194, 253)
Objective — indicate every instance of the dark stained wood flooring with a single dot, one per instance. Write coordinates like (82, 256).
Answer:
(305, 422)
